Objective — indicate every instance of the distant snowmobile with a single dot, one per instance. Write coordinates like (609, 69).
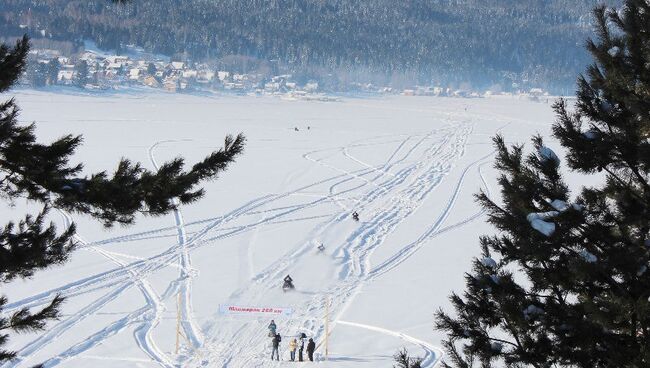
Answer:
(288, 284)
(355, 216)
(321, 247)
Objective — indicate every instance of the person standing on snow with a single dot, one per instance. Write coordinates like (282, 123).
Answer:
(302, 346)
(310, 349)
(293, 345)
(276, 347)
(272, 328)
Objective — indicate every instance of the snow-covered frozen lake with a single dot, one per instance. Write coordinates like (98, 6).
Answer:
(408, 165)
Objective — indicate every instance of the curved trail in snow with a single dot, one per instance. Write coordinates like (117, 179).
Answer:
(432, 354)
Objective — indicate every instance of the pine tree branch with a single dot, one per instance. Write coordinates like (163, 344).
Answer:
(630, 189)
(31, 246)
(12, 63)
(25, 321)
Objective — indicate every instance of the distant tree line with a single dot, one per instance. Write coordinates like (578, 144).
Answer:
(483, 42)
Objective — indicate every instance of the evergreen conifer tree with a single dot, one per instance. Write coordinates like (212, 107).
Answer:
(53, 68)
(36, 74)
(42, 174)
(80, 74)
(566, 282)
(151, 69)
(403, 360)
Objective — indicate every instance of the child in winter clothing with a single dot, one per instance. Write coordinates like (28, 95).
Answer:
(293, 345)
(272, 328)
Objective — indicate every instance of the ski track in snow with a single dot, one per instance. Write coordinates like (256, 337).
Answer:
(386, 194)
(432, 354)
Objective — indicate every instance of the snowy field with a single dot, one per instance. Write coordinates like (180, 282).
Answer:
(408, 165)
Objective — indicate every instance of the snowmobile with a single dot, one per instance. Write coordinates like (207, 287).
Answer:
(288, 284)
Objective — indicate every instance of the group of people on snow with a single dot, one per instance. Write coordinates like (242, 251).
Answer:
(296, 344)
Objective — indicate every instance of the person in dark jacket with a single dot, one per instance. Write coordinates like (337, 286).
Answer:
(311, 346)
(301, 347)
(276, 347)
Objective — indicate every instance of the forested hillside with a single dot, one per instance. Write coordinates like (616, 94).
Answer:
(483, 42)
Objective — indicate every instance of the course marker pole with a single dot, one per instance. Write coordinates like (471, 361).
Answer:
(178, 321)
(327, 325)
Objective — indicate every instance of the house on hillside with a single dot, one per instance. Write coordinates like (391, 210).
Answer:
(171, 85)
(190, 73)
(177, 65)
(65, 77)
(223, 76)
(150, 81)
(116, 62)
(134, 74)
(205, 76)
(117, 59)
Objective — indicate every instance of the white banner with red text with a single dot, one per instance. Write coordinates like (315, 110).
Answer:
(255, 311)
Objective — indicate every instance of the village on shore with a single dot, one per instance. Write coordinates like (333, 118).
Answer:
(96, 70)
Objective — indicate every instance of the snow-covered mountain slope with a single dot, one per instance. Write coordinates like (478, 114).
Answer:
(408, 165)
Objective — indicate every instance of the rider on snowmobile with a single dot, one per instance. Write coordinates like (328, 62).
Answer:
(288, 283)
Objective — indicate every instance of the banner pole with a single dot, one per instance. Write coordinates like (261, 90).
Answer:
(327, 326)
(178, 321)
